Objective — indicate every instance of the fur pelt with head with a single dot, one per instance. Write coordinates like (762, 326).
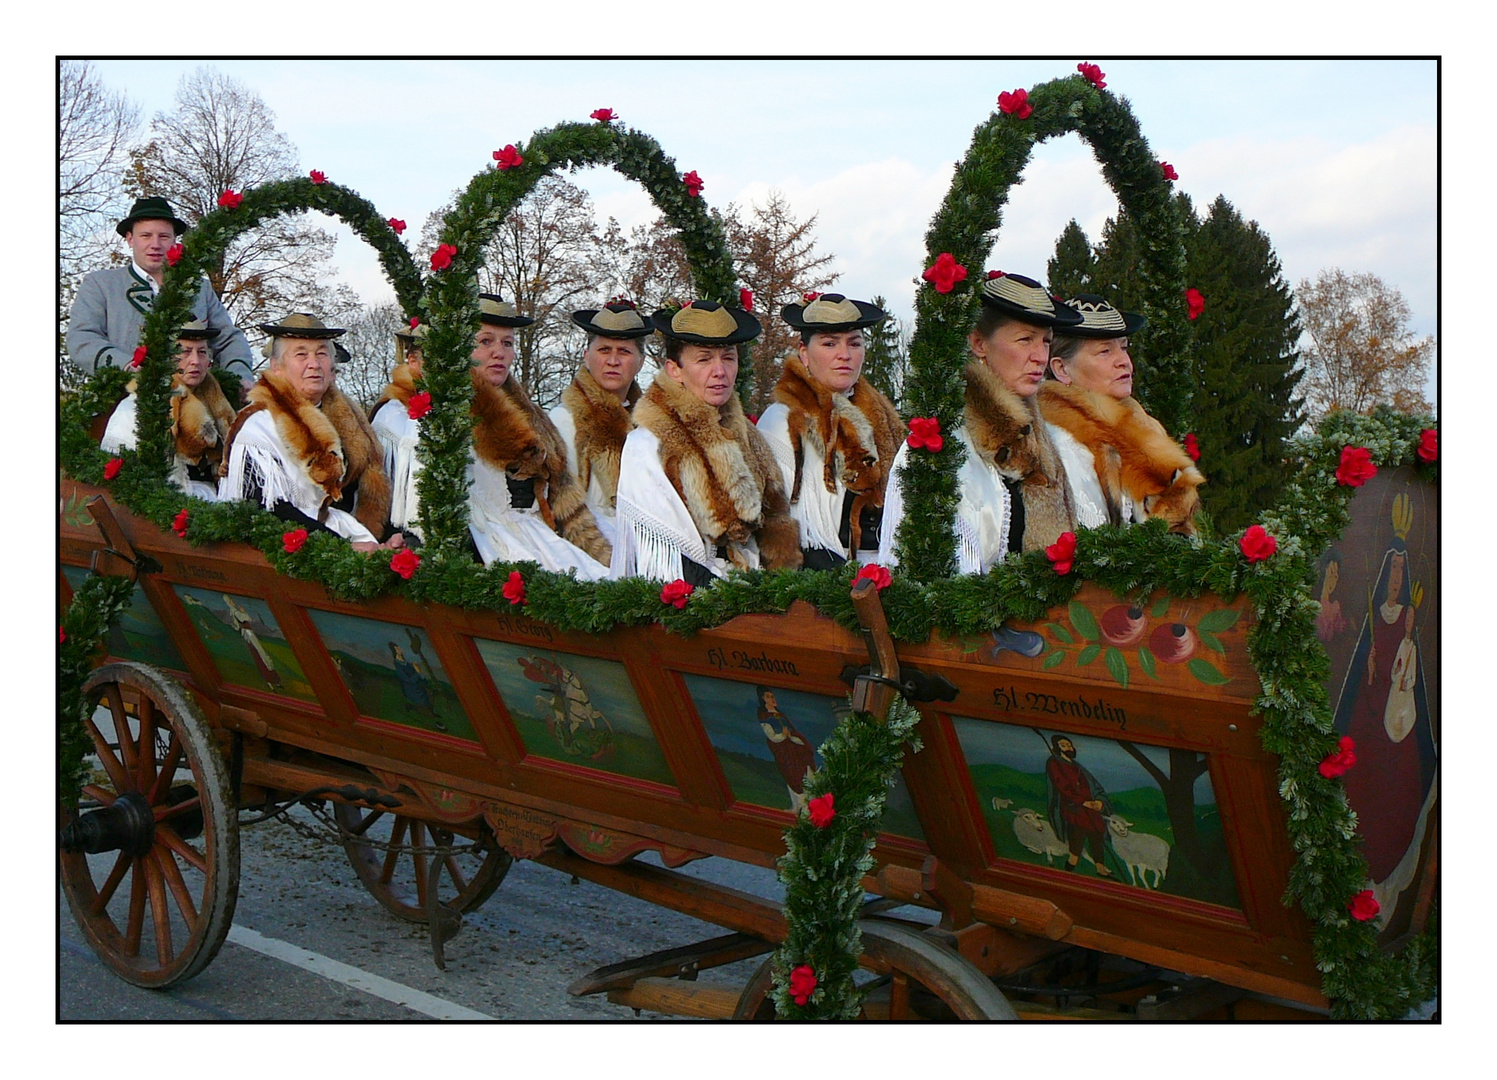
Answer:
(1133, 454)
(723, 470)
(1006, 432)
(201, 418)
(401, 388)
(512, 434)
(603, 422)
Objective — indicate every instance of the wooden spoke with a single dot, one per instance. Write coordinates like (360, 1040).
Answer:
(173, 874)
(146, 752)
(899, 996)
(168, 770)
(161, 916)
(103, 797)
(112, 882)
(122, 733)
(369, 819)
(418, 837)
(189, 854)
(137, 908)
(165, 813)
(387, 872)
(112, 765)
(456, 873)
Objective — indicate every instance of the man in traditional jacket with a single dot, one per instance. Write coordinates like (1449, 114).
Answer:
(593, 416)
(303, 450)
(111, 305)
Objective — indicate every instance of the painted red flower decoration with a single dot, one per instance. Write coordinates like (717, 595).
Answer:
(1062, 553)
(230, 199)
(1356, 466)
(875, 573)
(139, 357)
(802, 983)
(821, 810)
(945, 272)
(174, 255)
(810, 297)
(179, 523)
(994, 275)
(676, 593)
(292, 541)
(1093, 74)
(1015, 103)
(1168, 170)
(602, 116)
(694, 184)
(397, 225)
(318, 176)
(441, 259)
(508, 158)
(1363, 906)
(1343, 759)
(1192, 447)
(1429, 445)
(514, 588)
(404, 562)
(112, 467)
(746, 299)
(1195, 303)
(925, 434)
(419, 405)
(1257, 544)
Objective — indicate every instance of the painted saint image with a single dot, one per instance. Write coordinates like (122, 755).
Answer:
(568, 708)
(793, 754)
(1078, 806)
(415, 683)
(243, 621)
(1330, 623)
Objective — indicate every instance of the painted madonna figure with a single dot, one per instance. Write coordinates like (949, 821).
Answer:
(699, 491)
(1122, 466)
(594, 416)
(201, 416)
(399, 431)
(833, 435)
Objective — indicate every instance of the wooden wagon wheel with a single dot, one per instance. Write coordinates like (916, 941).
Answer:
(399, 878)
(927, 980)
(149, 857)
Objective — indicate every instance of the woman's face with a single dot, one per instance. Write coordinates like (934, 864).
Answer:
(413, 360)
(770, 705)
(1102, 365)
(834, 360)
(1395, 578)
(1017, 353)
(494, 352)
(192, 362)
(1332, 577)
(708, 371)
(614, 362)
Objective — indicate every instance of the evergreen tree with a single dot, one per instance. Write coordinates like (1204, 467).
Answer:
(885, 361)
(1073, 268)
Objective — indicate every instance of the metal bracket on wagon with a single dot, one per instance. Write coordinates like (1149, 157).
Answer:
(913, 684)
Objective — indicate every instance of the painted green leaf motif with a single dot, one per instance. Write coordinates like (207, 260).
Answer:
(1214, 622)
(1211, 641)
(1083, 621)
(1054, 658)
(1146, 661)
(1088, 654)
(1060, 633)
(1204, 672)
(1161, 607)
(1117, 667)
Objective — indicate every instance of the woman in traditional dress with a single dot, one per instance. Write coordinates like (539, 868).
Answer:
(794, 756)
(699, 491)
(1330, 623)
(833, 435)
(399, 432)
(201, 416)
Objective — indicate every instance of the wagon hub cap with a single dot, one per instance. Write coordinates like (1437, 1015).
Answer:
(126, 825)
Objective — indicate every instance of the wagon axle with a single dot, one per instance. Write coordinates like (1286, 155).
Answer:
(128, 825)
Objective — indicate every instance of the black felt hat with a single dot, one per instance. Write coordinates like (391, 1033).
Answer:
(494, 310)
(1027, 300)
(1099, 319)
(154, 208)
(706, 322)
(832, 313)
(301, 325)
(618, 319)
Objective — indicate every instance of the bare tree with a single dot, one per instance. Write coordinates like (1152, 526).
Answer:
(371, 343)
(1361, 351)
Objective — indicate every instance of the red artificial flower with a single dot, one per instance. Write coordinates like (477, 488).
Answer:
(318, 176)
(174, 255)
(230, 199)
(292, 541)
(1363, 906)
(1257, 544)
(810, 297)
(1344, 758)
(62, 635)
(112, 467)
(1195, 303)
(802, 983)
(514, 588)
(753, 418)
(1169, 171)
(179, 523)
(1094, 75)
(1015, 103)
(694, 184)
(508, 158)
(414, 321)
(1356, 466)
(746, 299)
(404, 562)
(602, 116)
(139, 357)
(925, 434)
(419, 405)
(1192, 447)
(1429, 448)
(676, 593)
(993, 275)
(875, 573)
(945, 272)
(821, 810)
(397, 225)
(441, 259)
(1062, 553)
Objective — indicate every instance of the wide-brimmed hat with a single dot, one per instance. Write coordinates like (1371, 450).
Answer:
(832, 313)
(410, 338)
(1099, 319)
(301, 324)
(340, 354)
(1028, 301)
(196, 330)
(706, 322)
(494, 310)
(154, 208)
(618, 319)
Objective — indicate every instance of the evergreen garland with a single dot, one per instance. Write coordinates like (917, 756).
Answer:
(97, 602)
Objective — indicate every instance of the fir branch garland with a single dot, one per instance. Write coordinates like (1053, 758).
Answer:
(97, 603)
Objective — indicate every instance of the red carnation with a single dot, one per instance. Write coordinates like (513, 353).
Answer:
(419, 405)
(821, 810)
(514, 588)
(179, 523)
(1168, 170)
(230, 199)
(875, 573)
(746, 299)
(1195, 303)
(1094, 75)
(174, 255)
(810, 297)
(993, 275)
(1015, 103)
(945, 272)
(397, 225)
(415, 322)
(676, 593)
(1363, 906)
(925, 434)
(293, 540)
(1344, 758)
(1429, 448)
(139, 357)
(602, 116)
(441, 259)
(1257, 544)
(318, 176)
(802, 983)
(508, 158)
(1356, 466)
(112, 467)
(1192, 447)
(693, 183)
(404, 563)
(62, 635)
(1062, 553)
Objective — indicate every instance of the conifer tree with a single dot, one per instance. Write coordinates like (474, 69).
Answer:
(1073, 268)
(885, 360)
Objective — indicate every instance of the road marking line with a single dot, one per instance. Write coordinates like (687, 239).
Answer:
(329, 968)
